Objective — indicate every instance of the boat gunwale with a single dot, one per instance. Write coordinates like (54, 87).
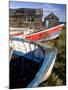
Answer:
(61, 25)
(36, 81)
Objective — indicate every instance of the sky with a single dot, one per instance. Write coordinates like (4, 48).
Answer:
(58, 9)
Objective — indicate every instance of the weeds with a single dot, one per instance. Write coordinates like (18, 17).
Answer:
(58, 75)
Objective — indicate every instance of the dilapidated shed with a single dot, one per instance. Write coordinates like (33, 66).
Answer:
(51, 20)
(26, 18)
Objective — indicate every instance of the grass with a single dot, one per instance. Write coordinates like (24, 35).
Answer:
(58, 75)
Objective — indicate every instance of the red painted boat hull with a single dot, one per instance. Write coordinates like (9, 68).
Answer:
(45, 34)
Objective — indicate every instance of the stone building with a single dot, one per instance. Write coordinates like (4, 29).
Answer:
(26, 18)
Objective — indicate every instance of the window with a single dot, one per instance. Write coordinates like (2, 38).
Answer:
(29, 18)
(52, 17)
(32, 19)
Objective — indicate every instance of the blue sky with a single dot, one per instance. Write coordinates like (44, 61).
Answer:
(58, 9)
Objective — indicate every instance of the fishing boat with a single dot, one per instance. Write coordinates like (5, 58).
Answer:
(30, 63)
(46, 34)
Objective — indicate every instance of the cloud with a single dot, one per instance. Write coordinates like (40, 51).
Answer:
(50, 8)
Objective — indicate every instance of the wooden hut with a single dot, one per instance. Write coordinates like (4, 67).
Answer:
(51, 20)
(26, 18)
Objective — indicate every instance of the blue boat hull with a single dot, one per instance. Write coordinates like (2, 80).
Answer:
(41, 59)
